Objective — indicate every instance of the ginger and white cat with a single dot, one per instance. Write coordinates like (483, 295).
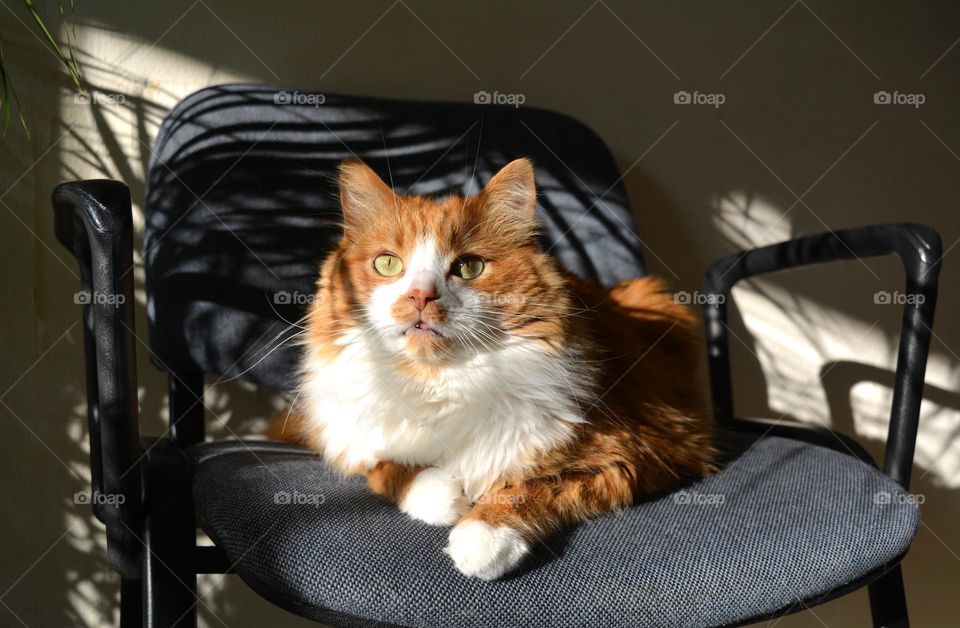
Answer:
(478, 385)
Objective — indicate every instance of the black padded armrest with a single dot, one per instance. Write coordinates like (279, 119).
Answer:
(93, 219)
(917, 246)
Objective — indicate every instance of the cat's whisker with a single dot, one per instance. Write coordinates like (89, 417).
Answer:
(281, 317)
(274, 339)
(268, 354)
(293, 404)
(480, 330)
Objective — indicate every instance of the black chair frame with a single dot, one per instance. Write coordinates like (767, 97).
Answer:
(151, 530)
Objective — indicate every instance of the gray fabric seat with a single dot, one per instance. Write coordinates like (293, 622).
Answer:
(784, 522)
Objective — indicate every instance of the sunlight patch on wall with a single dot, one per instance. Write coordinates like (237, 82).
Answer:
(747, 220)
(108, 133)
(938, 449)
(798, 341)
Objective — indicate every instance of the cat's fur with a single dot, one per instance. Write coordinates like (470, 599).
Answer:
(544, 401)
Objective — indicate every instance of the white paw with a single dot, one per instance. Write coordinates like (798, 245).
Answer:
(483, 551)
(435, 497)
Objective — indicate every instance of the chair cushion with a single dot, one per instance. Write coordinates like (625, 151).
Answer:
(242, 205)
(784, 522)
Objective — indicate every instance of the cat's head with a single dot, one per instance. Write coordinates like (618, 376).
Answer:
(432, 280)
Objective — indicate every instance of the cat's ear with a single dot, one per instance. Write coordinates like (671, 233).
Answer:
(362, 194)
(513, 189)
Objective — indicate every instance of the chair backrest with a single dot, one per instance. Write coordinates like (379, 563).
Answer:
(242, 205)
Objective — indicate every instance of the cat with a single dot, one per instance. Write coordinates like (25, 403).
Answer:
(480, 386)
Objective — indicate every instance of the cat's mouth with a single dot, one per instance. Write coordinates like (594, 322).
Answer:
(422, 328)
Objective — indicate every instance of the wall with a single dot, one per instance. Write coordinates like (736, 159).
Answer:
(798, 146)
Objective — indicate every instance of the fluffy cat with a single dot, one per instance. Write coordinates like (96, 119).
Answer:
(480, 386)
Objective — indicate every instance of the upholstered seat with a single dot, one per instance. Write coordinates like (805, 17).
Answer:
(784, 522)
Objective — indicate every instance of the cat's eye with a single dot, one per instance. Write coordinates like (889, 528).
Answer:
(468, 267)
(388, 265)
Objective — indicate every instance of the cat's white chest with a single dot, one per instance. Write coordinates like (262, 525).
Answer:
(479, 421)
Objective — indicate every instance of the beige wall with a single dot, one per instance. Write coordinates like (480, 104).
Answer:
(799, 120)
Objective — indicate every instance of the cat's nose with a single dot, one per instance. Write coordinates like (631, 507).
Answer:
(421, 295)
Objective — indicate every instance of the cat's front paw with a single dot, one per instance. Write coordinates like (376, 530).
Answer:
(481, 550)
(435, 497)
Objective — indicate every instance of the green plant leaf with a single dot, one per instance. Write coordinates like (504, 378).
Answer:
(71, 34)
(68, 62)
(6, 91)
(8, 95)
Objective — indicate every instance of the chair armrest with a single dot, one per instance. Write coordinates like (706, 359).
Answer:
(93, 219)
(917, 246)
